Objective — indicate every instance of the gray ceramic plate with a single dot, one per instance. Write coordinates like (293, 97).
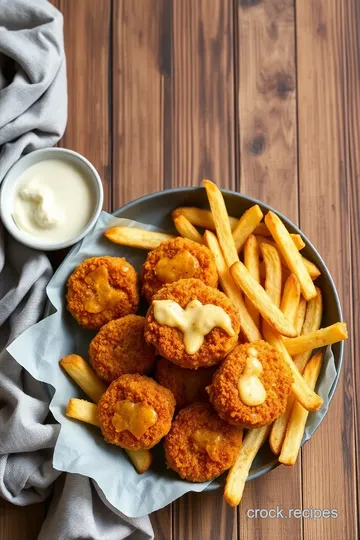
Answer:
(156, 208)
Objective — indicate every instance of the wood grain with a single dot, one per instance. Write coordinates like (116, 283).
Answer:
(87, 45)
(203, 146)
(18, 523)
(137, 99)
(351, 64)
(268, 167)
(203, 93)
(322, 48)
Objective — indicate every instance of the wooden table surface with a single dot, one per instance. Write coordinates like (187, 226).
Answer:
(263, 97)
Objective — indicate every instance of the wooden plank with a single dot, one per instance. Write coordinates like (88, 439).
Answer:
(137, 99)
(352, 67)
(87, 45)
(203, 93)
(203, 147)
(323, 46)
(268, 167)
(17, 522)
(141, 43)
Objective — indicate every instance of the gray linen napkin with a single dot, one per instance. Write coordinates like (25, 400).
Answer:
(33, 115)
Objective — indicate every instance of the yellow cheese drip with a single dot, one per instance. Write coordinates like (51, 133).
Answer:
(251, 389)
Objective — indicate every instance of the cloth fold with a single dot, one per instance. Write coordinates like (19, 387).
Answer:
(33, 111)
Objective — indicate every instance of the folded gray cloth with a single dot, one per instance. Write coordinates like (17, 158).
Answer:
(33, 115)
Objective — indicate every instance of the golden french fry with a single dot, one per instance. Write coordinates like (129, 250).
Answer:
(307, 397)
(248, 327)
(300, 315)
(235, 481)
(82, 410)
(312, 323)
(84, 376)
(298, 241)
(221, 220)
(262, 230)
(200, 217)
(313, 270)
(278, 429)
(252, 263)
(291, 254)
(325, 336)
(272, 272)
(246, 225)
(290, 298)
(297, 421)
(186, 229)
(141, 459)
(261, 300)
(138, 238)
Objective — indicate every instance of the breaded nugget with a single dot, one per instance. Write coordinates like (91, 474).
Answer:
(275, 377)
(120, 347)
(187, 385)
(136, 402)
(169, 341)
(101, 289)
(199, 445)
(176, 259)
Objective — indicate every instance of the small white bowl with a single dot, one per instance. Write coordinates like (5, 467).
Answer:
(9, 185)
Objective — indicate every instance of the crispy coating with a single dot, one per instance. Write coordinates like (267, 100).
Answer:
(137, 389)
(120, 347)
(187, 385)
(276, 378)
(191, 463)
(206, 272)
(170, 341)
(122, 277)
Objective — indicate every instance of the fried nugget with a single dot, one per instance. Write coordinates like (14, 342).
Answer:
(199, 445)
(119, 347)
(135, 412)
(169, 341)
(275, 377)
(176, 259)
(102, 289)
(187, 385)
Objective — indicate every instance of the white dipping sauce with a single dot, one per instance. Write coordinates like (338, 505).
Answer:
(54, 200)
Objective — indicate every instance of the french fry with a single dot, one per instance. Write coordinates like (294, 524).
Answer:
(312, 323)
(307, 397)
(278, 429)
(289, 306)
(200, 217)
(84, 376)
(246, 225)
(262, 230)
(272, 272)
(248, 327)
(235, 481)
(290, 298)
(325, 336)
(300, 315)
(261, 300)
(138, 238)
(252, 263)
(313, 270)
(83, 410)
(221, 220)
(141, 459)
(297, 421)
(186, 229)
(291, 254)
(298, 241)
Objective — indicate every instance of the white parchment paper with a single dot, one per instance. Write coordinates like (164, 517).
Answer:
(80, 448)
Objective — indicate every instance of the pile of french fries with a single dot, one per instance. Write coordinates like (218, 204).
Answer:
(262, 271)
